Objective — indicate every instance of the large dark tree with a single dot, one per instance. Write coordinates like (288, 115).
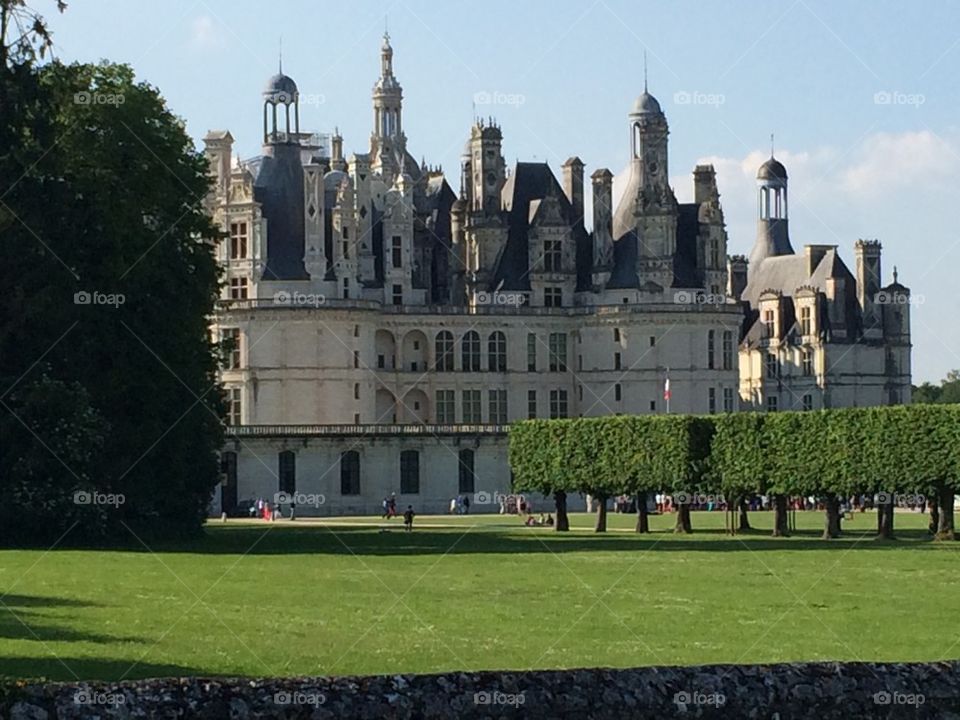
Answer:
(109, 280)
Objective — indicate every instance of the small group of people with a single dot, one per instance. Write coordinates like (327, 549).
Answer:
(460, 505)
(531, 521)
(389, 506)
(265, 510)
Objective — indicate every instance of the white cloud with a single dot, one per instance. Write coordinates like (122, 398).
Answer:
(205, 34)
(889, 162)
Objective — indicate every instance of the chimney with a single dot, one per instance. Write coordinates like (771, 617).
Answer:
(573, 186)
(737, 267)
(704, 184)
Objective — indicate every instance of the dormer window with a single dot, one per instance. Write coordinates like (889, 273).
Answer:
(768, 323)
(552, 256)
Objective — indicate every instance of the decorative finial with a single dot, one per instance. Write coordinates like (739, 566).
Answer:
(644, 69)
(894, 273)
(771, 145)
(280, 56)
(386, 27)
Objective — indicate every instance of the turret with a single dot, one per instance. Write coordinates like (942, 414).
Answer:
(772, 235)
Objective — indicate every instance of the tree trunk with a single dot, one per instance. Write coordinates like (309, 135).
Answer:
(832, 518)
(945, 526)
(683, 519)
(879, 508)
(780, 528)
(885, 521)
(562, 521)
(601, 501)
(744, 518)
(934, 516)
(643, 521)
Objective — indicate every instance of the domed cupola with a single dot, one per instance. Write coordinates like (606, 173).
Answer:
(279, 96)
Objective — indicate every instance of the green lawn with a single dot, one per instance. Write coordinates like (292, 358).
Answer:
(476, 592)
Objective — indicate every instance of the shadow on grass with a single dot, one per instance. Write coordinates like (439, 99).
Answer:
(22, 617)
(68, 669)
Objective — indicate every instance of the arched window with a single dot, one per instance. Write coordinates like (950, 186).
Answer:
(497, 352)
(711, 349)
(409, 472)
(444, 348)
(470, 352)
(350, 473)
(466, 481)
(287, 472)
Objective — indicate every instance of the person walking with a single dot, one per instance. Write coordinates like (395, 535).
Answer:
(408, 519)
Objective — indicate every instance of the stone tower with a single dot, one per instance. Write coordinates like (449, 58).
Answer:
(387, 142)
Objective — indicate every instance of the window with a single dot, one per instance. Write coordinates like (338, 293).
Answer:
(238, 288)
(531, 404)
(410, 472)
(471, 407)
(580, 392)
(580, 363)
(446, 407)
(806, 360)
(346, 248)
(617, 392)
(806, 322)
(470, 352)
(381, 361)
(714, 253)
(772, 366)
(356, 358)
(398, 294)
(552, 256)
(558, 352)
(531, 352)
(238, 241)
(497, 352)
(230, 337)
(711, 348)
(728, 350)
(728, 399)
(616, 361)
(467, 478)
(396, 247)
(356, 391)
(771, 404)
(808, 402)
(653, 341)
(616, 335)
(553, 297)
(444, 349)
(558, 404)
(711, 400)
(234, 416)
(498, 406)
(350, 473)
(768, 323)
(346, 235)
(653, 406)
(346, 288)
(287, 467)
(356, 331)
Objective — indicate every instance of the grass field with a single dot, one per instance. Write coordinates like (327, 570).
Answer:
(476, 592)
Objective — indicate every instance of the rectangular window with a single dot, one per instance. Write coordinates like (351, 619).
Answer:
(446, 407)
(552, 256)
(617, 392)
(230, 337)
(396, 249)
(466, 482)
(727, 350)
(234, 414)
(409, 472)
(381, 362)
(558, 352)
(711, 400)
(498, 407)
(287, 472)
(238, 288)
(471, 407)
(771, 404)
(806, 322)
(768, 323)
(356, 391)
(728, 399)
(350, 473)
(714, 253)
(653, 406)
(771, 365)
(346, 233)
(711, 348)
(616, 361)
(346, 288)
(653, 341)
(808, 402)
(531, 404)
(238, 241)
(398, 294)
(356, 358)
(553, 297)
(558, 404)
(807, 361)
(346, 249)
(531, 352)
(616, 335)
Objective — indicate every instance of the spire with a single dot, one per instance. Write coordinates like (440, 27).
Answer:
(771, 144)
(645, 70)
(280, 57)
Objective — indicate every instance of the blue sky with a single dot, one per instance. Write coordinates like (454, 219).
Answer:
(861, 95)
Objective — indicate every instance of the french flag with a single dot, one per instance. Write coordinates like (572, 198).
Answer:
(666, 389)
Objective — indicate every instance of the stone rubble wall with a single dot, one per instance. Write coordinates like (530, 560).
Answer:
(824, 691)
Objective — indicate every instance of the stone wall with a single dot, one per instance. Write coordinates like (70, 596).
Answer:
(825, 691)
